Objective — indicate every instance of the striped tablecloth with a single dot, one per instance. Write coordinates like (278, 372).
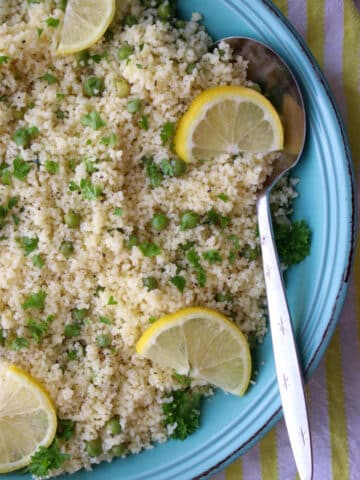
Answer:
(331, 28)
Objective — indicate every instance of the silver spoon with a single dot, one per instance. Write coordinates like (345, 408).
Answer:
(276, 80)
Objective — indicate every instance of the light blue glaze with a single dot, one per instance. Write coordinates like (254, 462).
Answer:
(316, 288)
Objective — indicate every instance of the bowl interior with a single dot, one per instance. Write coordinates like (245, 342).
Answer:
(315, 288)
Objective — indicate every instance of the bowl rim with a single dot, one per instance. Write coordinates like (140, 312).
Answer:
(317, 355)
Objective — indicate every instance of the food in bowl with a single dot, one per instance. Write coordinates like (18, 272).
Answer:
(105, 229)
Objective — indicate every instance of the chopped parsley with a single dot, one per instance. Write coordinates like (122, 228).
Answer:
(52, 22)
(47, 459)
(132, 241)
(37, 330)
(184, 380)
(90, 191)
(149, 249)
(49, 78)
(293, 241)
(167, 133)
(35, 300)
(52, 167)
(28, 244)
(118, 212)
(24, 135)
(94, 87)
(38, 261)
(194, 260)
(213, 217)
(65, 429)
(92, 120)
(234, 239)
(223, 297)
(212, 256)
(184, 412)
(152, 319)
(250, 253)
(105, 320)
(110, 140)
(150, 283)
(18, 343)
(79, 314)
(223, 197)
(174, 167)
(153, 172)
(72, 330)
(3, 59)
(112, 301)
(179, 281)
(144, 122)
(39, 31)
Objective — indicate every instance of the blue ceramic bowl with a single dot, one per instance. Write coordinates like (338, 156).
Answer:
(316, 288)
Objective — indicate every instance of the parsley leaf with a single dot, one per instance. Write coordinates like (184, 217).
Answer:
(179, 281)
(149, 249)
(182, 379)
(65, 429)
(184, 411)
(47, 459)
(38, 261)
(144, 122)
(24, 135)
(21, 169)
(3, 59)
(37, 330)
(167, 133)
(118, 212)
(18, 343)
(89, 190)
(194, 260)
(109, 141)
(293, 241)
(92, 120)
(52, 22)
(212, 256)
(52, 167)
(49, 78)
(112, 301)
(28, 244)
(35, 300)
(213, 217)
(223, 197)
(152, 171)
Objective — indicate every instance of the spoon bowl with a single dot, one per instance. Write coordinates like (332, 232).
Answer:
(276, 81)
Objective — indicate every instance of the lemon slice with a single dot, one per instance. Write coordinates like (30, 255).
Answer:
(201, 343)
(27, 418)
(230, 120)
(85, 22)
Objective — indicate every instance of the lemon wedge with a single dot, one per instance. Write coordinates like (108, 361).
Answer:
(27, 418)
(201, 343)
(85, 22)
(228, 120)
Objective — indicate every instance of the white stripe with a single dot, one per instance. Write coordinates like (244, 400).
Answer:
(297, 15)
(350, 355)
(251, 464)
(333, 46)
(319, 421)
(287, 466)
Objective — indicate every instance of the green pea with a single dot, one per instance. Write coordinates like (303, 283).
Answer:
(165, 11)
(159, 221)
(67, 248)
(103, 341)
(125, 51)
(189, 220)
(150, 283)
(113, 425)
(190, 68)
(72, 219)
(93, 448)
(134, 105)
(117, 450)
(179, 166)
(122, 87)
(93, 87)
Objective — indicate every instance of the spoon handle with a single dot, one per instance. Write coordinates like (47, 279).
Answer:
(287, 365)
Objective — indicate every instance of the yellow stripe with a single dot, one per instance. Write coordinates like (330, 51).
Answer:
(336, 411)
(315, 28)
(282, 5)
(269, 456)
(234, 471)
(351, 75)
